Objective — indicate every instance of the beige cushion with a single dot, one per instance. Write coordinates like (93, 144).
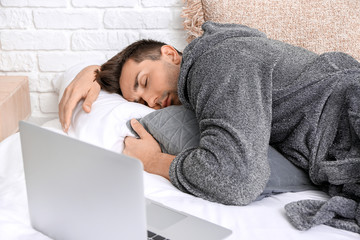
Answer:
(318, 25)
(14, 103)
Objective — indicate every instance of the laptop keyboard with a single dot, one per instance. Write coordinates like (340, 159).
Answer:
(154, 236)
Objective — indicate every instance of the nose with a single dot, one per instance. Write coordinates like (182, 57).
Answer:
(150, 101)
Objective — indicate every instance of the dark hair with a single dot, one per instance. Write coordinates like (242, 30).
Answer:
(110, 72)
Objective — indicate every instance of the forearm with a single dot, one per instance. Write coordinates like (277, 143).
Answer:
(160, 165)
(221, 176)
(89, 72)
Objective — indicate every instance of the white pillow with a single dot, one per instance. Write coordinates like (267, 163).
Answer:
(105, 125)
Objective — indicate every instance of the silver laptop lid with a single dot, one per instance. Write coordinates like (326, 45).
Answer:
(70, 187)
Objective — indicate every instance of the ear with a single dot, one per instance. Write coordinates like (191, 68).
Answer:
(170, 54)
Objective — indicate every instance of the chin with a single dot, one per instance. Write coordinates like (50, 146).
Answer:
(176, 102)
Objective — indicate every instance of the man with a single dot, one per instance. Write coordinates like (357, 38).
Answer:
(247, 91)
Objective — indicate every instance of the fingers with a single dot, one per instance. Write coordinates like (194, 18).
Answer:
(128, 140)
(91, 96)
(62, 104)
(66, 107)
(139, 129)
(82, 87)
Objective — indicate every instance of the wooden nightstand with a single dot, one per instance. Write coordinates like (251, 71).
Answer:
(14, 103)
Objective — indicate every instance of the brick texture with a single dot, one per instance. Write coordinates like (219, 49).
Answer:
(41, 39)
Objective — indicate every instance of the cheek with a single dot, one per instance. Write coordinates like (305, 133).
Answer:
(160, 83)
(129, 97)
(125, 96)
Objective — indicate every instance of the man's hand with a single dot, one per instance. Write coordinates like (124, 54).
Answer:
(83, 86)
(147, 150)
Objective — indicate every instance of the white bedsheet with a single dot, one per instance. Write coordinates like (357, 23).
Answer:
(264, 219)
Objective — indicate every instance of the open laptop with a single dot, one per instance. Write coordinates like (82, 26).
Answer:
(80, 191)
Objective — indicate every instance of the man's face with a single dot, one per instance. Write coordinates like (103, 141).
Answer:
(153, 83)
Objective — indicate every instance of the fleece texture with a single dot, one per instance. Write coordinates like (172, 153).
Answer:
(248, 91)
(227, 78)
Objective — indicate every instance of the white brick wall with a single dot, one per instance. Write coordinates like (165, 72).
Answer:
(42, 38)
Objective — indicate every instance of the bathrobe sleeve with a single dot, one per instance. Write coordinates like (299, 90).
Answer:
(230, 92)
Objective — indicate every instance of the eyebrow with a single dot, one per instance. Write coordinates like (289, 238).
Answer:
(136, 84)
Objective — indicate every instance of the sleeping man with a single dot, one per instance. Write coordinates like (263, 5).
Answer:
(247, 91)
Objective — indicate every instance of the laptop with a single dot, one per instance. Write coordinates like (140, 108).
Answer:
(80, 191)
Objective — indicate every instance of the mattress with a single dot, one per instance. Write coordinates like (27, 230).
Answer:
(264, 219)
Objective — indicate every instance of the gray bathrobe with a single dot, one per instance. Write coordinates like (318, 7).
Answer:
(248, 91)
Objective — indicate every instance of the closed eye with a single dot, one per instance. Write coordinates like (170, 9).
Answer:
(146, 81)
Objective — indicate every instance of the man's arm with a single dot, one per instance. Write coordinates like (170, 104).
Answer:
(83, 86)
(147, 149)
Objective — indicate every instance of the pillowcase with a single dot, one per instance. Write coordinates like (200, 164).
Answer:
(105, 125)
(318, 25)
(176, 129)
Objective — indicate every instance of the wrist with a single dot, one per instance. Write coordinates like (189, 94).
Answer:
(161, 164)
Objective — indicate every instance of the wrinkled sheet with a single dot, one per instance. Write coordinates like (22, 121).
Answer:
(265, 219)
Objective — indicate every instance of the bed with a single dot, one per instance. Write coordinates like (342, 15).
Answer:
(263, 219)
(106, 126)
(259, 220)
